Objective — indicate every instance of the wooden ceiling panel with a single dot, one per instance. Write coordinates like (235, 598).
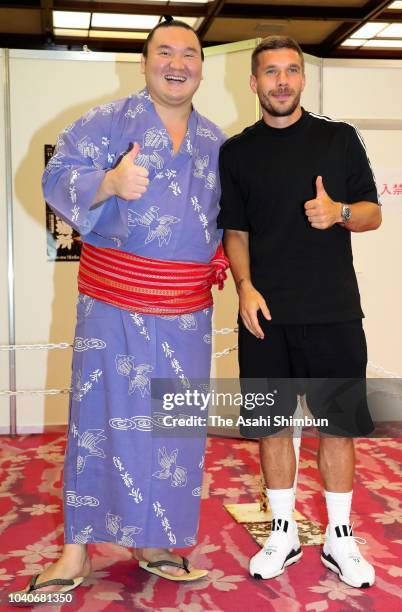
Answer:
(305, 32)
(17, 21)
(319, 25)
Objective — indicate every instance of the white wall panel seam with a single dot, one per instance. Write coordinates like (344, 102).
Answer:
(10, 239)
(321, 98)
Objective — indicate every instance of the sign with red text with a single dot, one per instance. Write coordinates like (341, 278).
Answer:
(389, 186)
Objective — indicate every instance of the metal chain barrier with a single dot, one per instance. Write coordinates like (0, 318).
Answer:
(218, 355)
(382, 372)
(34, 347)
(65, 345)
(225, 352)
(224, 331)
(36, 392)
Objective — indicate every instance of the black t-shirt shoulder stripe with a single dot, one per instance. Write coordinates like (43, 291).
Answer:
(359, 136)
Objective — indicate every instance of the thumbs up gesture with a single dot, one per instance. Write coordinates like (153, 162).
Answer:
(322, 212)
(128, 180)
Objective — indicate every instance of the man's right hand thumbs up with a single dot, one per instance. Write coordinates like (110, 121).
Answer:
(133, 150)
(128, 180)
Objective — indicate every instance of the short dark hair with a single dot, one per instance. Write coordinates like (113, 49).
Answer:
(172, 23)
(275, 42)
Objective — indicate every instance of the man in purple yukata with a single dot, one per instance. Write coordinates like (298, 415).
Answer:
(138, 179)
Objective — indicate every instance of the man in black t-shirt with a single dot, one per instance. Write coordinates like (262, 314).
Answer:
(294, 186)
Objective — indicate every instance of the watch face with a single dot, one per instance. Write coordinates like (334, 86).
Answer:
(346, 213)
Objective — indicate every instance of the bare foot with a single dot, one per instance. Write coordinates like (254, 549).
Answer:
(159, 554)
(63, 568)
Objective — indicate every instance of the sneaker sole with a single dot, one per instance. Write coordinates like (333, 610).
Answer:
(296, 555)
(331, 565)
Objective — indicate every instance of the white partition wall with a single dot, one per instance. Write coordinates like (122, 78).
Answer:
(312, 94)
(49, 91)
(362, 89)
(369, 95)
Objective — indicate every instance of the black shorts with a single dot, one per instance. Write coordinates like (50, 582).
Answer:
(327, 362)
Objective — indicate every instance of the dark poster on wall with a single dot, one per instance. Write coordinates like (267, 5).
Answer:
(63, 242)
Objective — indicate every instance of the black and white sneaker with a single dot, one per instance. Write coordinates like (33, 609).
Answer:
(281, 549)
(342, 555)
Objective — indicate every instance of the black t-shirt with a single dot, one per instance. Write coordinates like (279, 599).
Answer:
(306, 275)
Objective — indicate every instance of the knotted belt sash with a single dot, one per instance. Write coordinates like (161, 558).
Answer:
(150, 286)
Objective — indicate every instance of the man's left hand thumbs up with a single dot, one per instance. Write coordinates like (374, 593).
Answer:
(322, 212)
(319, 183)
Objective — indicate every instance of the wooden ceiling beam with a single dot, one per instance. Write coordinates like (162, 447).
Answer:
(46, 7)
(302, 13)
(368, 53)
(213, 11)
(352, 53)
(32, 4)
(389, 16)
(22, 41)
(287, 11)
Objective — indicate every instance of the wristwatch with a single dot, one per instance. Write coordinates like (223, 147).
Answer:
(346, 212)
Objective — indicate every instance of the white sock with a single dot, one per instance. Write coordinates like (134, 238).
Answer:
(338, 507)
(281, 502)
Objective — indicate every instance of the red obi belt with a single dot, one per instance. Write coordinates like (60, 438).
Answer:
(150, 286)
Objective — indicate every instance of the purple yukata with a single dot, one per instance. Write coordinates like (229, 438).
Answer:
(122, 483)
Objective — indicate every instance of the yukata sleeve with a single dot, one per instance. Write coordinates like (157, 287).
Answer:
(72, 176)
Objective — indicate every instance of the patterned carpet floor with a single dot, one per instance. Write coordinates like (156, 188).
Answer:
(31, 535)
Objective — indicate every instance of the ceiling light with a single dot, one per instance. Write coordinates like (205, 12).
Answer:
(124, 22)
(395, 5)
(369, 30)
(66, 32)
(115, 34)
(353, 42)
(383, 44)
(392, 31)
(71, 19)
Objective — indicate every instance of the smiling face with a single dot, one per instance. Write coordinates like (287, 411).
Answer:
(173, 66)
(278, 82)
